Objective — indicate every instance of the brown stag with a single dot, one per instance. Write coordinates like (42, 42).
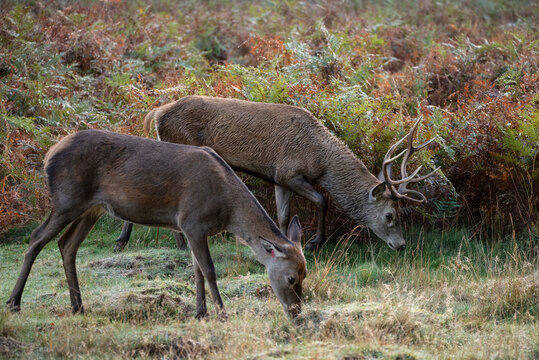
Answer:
(289, 147)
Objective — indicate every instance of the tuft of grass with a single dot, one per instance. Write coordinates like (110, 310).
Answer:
(506, 298)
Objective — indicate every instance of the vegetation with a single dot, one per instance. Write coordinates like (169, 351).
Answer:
(468, 284)
(446, 297)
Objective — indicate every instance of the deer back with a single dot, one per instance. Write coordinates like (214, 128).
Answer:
(269, 140)
(143, 180)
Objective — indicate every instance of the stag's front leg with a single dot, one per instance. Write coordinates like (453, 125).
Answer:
(121, 242)
(201, 253)
(302, 187)
(69, 244)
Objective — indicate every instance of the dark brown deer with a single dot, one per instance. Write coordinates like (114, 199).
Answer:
(180, 187)
(288, 146)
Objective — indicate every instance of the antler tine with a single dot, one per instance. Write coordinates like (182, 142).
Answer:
(391, 150)
(403, 191)
(417, 148)
(410, 149)
(421, 178)
(407, 178)
(386, 170)
(390, 160)
(387, 165)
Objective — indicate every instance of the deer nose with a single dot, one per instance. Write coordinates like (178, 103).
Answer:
(401, 248)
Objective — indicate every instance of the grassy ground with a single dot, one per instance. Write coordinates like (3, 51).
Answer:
(447, 296)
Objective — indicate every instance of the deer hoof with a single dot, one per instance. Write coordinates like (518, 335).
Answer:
(13, 307)
(201, 315)
(79, 310)
(119, 245)
(314, 245)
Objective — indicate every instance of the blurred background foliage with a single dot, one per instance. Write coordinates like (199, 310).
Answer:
(365, 69)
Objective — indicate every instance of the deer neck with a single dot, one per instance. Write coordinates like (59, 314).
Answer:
(250, 222)
(348, 181)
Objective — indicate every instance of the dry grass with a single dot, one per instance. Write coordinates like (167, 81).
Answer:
(417, 305)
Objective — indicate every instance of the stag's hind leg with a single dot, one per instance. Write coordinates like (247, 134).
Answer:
(180, 240)
(40, 237)
(127, 228)
(121, 242)
(69, 244)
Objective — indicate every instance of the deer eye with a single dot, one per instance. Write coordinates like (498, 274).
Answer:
(389, 217)
(291, 280)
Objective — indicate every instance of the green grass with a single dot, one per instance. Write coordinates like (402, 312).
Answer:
(447, 296)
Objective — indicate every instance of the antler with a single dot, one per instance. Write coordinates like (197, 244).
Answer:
(403, 192)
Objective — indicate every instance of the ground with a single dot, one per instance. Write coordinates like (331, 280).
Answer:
(447, 296)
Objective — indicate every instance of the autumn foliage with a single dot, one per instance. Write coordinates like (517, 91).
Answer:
(365, 70)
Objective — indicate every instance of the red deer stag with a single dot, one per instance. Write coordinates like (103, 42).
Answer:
(181, 187)
(288, 146)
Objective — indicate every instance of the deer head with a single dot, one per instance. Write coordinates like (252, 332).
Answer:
(286, 268)
(381, 215)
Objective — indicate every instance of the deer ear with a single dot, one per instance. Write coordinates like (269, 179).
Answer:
(294, 230)
(380, 176)
(377, 192)
(272, 249)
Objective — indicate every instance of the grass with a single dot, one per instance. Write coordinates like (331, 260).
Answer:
(445, 297)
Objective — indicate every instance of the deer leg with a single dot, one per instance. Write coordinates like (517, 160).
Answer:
(282, 199)
(36, 234)
(39, 238)
(201, 252)
(302, 187)
(69, 244)
(180, 241)
(200, 290)
(124, 236)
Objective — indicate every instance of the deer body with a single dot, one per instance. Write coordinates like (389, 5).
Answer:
(273, 141)
(184, 188)
(287, 146)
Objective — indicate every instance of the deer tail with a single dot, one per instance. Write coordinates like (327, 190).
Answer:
(148, 119)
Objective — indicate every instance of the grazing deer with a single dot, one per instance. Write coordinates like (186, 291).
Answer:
(288, 146)
(184, 188)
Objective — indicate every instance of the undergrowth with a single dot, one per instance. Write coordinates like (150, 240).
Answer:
(364, 69)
